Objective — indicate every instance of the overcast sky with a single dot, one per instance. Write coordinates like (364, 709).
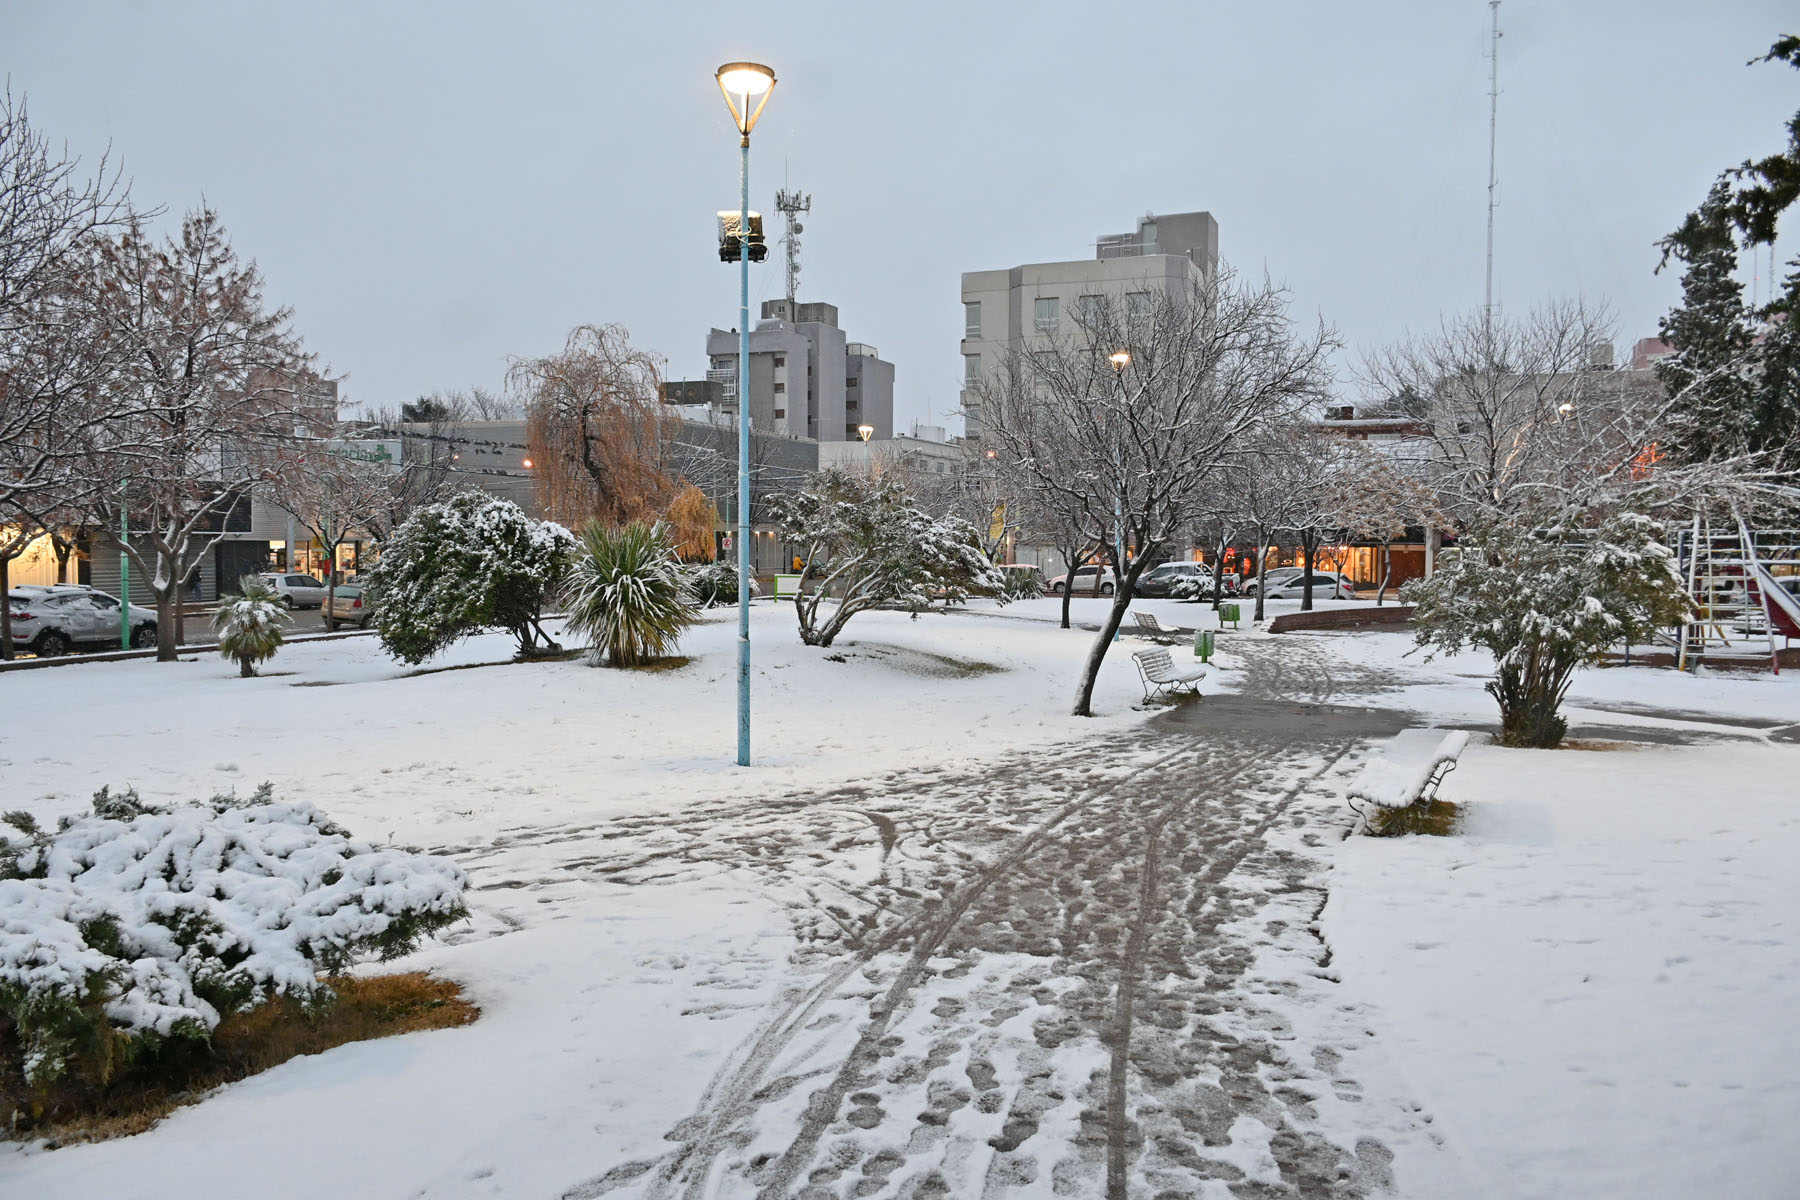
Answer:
(435, 188)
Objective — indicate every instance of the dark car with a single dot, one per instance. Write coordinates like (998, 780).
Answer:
(1163, 580)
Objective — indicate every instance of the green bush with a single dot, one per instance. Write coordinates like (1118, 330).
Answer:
(249, 624)
(627, 594)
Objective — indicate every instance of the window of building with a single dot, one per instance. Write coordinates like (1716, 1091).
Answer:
(971, 318)
(1048, 312)
(781, 360)
(781, 387)
(1089, 308)
(971, 370)
(1137, 306)
(780, 414)
(1044, 361)
(850, 382)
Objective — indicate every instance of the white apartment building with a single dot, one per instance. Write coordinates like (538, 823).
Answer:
(1011, 311)
(807, 379)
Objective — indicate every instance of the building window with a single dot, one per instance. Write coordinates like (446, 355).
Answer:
(1047, 314)
(781, 360)
(971, 370)
(851, 403)
(1137, 306)
(780, 414)
(971, 318)
(781, 387)
(1088, 309)
(1044, 361)
(850, 382)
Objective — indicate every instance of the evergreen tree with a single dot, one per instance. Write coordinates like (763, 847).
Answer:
(1708, 377)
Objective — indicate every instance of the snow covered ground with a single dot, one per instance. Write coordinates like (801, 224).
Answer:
(1588, 994)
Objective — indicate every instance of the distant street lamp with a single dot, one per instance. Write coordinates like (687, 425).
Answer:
(742, 83)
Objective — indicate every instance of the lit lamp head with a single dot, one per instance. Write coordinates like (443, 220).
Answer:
(865, 432)
(744, 83)
(1120, 359)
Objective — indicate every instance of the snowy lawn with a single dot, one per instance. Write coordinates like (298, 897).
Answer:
(1590, 993)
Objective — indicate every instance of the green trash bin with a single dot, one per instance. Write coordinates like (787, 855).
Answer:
(1203, 644)
(1229, 612)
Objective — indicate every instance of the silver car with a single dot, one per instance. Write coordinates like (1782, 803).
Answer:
(347, 605)
(52, 621)
(296, 591)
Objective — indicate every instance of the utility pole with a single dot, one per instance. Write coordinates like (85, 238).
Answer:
(1493, 179)
(791, 205)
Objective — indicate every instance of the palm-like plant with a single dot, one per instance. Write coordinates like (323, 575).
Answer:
(627, 595)
(249, 625)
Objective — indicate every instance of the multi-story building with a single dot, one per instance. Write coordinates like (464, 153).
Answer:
(806, 378)
(1009, 312)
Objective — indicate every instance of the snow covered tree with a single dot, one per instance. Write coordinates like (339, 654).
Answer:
(862, 539)
(1128, 418)
(249, 624)
(627, 594)
(1373, 498)
(336, 490)
(1709, 377)
(134, 927)
(205, 380)
(470, 563)
(1544, 602)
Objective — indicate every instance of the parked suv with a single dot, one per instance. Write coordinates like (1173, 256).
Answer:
(1273, 578)
(51, 621)
(297, 591)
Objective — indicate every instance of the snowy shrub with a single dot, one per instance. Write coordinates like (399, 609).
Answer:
(860, 539)
(627, 594)
(1544, 602)
(473, 562)
(715, 583)
(249, 624)
(134, 927)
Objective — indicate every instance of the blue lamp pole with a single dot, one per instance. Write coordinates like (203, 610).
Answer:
(742, 83)
(1120, 359)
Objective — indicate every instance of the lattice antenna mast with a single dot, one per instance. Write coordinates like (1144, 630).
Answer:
(791, 205)
(1493, 178)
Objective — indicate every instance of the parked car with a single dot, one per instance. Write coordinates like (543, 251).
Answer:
(1325, 586)
(51, 621)
(1274, 577)
(297, 591)
(1083, 582)
(347, 606)
(1161, 580)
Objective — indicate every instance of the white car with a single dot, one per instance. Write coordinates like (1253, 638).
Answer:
(1274, 577)
(1326, 585)
(51, 621)
(296, 591)
(1083, 580)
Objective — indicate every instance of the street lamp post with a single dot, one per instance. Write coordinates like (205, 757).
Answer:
(742, 83)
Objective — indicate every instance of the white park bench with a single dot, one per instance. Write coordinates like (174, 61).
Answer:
(1160, 674)
(1390, 784)
(1156, 631)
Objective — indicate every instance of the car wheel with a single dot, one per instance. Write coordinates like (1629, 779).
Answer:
(287, 602)
(143, 637)
(1106, 589)
(1056, 589)
(52, 645)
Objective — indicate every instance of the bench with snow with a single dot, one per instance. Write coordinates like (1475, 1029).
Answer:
(1389, 785)
(1160, 674)
(1149, 627)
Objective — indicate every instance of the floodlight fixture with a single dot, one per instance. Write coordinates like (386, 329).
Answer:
(865, 432)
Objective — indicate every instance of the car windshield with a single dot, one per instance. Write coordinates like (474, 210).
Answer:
(350, 590)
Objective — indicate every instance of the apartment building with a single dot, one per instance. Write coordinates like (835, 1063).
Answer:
(807, 379)
(1007, 312)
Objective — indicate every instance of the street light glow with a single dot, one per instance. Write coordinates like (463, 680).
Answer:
(1120, 359)
(740, 81)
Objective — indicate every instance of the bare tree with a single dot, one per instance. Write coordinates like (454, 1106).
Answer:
(1372, 498)
(596, 428)
(1127, 420)
(336, 489)
(211, 381)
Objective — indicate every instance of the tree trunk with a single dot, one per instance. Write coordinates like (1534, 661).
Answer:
(1262, 580)
(1528, 711)
(1090, 672)
(1218, 576)
(246, 668)
(6, 649)
(168, 635)
(1308, 541)
(1387, 571)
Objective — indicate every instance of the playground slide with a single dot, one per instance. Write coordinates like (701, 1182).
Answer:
(1783, 605)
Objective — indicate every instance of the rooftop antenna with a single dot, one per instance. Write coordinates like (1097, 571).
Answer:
(791, 205)
(1493, 180)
